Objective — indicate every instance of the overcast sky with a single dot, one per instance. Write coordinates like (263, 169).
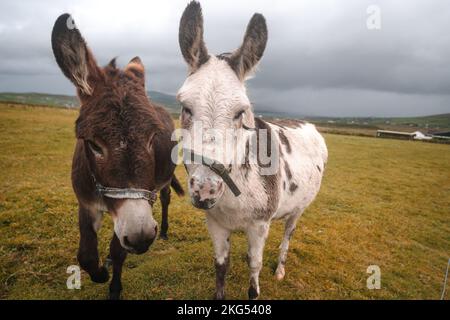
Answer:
(321, 58)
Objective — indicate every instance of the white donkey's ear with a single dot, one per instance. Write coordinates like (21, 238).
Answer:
(190, 37)
(73, 56)
(244, 59)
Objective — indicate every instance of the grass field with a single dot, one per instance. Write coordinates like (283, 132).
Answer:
(383, 202)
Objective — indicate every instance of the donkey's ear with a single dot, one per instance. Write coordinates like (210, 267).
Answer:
(190, 37)
(73, 56)
(244, 59)
(136, 68)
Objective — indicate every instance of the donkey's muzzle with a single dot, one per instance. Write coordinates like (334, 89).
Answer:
(203, 204)
(134, 225)
(205, 188)
(139, 245)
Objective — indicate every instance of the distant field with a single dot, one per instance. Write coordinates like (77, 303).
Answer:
(45, 99)
(383, 202)
(40, 99)
(363, 126)
(433, 123)
(352, 130)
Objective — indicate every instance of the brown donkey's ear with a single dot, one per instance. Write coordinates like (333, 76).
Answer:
(244, 59)
(73, 56)
(136, 68)
(190, 37)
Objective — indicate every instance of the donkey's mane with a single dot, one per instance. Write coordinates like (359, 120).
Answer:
(118, 103)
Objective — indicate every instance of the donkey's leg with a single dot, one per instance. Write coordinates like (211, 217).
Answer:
(289, 228)
(165, 201)
(257, 235)
(221, 241)
(89, 222)
(118, 255)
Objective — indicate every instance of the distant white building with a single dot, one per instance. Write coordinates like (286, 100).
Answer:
(402, 135)
(420, 136)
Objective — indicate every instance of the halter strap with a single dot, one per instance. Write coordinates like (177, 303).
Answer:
(219, 169)
(125, 193)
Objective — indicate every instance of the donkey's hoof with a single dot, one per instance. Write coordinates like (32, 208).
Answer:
(280, 273)
(163, 236)
(219, 296)
(114, 295)
(252, 293)
(101, 276)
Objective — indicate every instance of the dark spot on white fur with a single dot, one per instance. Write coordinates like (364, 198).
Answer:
(287, 169)
(269, 182)
(284, 140)
(293, 187)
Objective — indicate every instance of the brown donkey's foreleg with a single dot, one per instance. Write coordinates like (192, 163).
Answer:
(88, 253)
(165, 201)
(118, 255)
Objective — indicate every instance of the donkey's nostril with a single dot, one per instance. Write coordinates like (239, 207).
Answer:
(126, 242)
(191, 181)
(219, 185)
(140, 245)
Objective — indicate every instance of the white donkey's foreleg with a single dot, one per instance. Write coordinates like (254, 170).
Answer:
(289, 228)
(257, 235)
(221, 241)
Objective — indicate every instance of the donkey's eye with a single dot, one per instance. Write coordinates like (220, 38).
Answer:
(238, 115)
(95, 148)
(187, 111)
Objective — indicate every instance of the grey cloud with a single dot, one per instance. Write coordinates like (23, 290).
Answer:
(320, 58)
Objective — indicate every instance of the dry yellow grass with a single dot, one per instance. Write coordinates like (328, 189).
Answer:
(383, 202)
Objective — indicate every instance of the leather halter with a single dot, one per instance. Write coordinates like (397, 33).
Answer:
(125, 193)
(219, 169)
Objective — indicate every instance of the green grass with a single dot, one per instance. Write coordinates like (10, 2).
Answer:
(383, 202)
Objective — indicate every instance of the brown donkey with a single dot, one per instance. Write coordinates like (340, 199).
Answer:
(122, 157)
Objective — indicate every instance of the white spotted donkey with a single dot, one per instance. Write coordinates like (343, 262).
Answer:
(214, 95)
